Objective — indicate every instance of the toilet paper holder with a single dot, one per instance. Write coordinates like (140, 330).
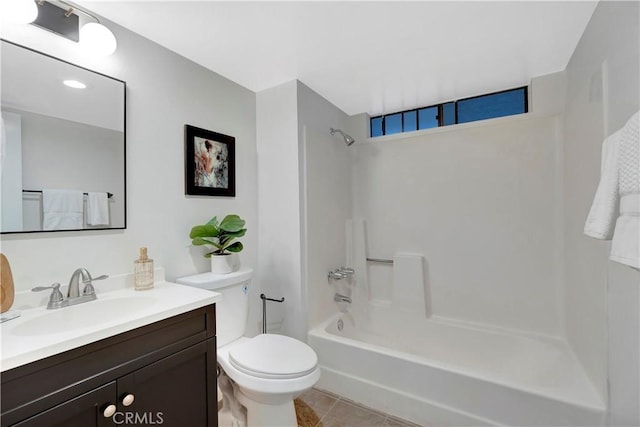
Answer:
(264, 299)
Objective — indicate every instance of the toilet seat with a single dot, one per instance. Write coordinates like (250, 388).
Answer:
(272, 356)
(266, 390)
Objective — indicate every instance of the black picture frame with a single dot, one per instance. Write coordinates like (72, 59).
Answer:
(210, 163)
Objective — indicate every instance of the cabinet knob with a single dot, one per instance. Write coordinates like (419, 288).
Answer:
(109, 410)
(128, 399)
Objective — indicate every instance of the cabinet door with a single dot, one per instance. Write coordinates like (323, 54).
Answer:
(179, 390)
(85, 410)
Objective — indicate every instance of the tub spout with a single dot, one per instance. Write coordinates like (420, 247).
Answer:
(341, 298)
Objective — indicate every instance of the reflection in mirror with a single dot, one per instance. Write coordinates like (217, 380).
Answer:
(63, 148)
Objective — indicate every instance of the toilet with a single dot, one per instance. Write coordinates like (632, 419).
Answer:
(268, 371)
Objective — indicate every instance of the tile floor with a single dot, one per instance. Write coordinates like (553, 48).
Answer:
(336, 411)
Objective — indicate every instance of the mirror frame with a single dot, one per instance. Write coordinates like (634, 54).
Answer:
(124, 142)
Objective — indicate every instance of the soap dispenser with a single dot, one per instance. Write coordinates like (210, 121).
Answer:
(143, 271)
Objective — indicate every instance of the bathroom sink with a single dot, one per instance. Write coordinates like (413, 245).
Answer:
(39, 333)
(81, 316)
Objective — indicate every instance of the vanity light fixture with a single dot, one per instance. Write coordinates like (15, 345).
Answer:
(20, 11)
(97, 39)
(94, 38)
(74, 84)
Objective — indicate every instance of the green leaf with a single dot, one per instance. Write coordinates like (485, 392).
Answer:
(232, 223)
(220, 235)
(213, 221)
(238, 233)
(199, 241)
(236, 247)
(207, 230)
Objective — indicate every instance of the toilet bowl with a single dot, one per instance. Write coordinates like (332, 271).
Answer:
(268, 371)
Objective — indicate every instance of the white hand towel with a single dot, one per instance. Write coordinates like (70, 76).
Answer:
(97, 209)
(625, 247)
(62, 209)
(618, 196)
(604, 210)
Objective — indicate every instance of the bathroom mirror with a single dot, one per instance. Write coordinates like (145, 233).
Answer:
(59, 137)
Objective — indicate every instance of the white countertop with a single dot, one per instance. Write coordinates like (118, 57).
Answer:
(119, 308)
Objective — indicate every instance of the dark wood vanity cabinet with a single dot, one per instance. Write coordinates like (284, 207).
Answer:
(167, 368)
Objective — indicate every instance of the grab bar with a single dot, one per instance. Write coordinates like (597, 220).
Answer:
(380, 260)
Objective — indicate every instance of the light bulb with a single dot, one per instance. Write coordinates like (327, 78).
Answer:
(75, 84)
(19, 11)
(97, 40)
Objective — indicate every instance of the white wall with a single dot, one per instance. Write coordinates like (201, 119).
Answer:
(303, 197)
(602, 298)
(164, 92)
(478, 201)
(279, 202)
(326, 198)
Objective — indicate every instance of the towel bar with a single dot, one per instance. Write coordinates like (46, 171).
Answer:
(109, 195)
(380, 260)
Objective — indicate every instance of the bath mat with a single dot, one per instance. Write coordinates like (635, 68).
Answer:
(305, 415)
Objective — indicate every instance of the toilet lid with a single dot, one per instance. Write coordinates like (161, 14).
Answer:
(273, 356)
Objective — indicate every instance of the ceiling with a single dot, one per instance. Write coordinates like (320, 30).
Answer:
(375, 57)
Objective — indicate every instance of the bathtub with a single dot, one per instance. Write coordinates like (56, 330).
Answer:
(444, 373)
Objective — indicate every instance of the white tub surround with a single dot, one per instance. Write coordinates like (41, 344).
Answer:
(118, 308)
(449, 373)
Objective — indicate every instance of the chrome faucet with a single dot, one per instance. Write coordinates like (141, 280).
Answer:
(74, 282)
(341, 298)
(336, 275)
(56, 300)
(340, 273)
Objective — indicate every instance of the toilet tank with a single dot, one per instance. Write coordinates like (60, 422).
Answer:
(233, 310)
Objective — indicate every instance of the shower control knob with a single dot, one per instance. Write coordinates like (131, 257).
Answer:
(335, 275)
(128, 399)
(109, 410)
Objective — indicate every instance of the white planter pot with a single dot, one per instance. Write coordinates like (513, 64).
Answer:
(223, 264)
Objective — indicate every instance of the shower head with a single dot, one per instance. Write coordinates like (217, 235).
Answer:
(347, 138)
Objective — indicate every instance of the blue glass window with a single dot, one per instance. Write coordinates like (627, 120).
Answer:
(491, 106)
(449, 114)
(393, 124)
(499, 104)
(410, 121)
(428, 117)
(376, 126)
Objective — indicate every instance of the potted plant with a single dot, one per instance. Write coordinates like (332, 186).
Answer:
(221, 236)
